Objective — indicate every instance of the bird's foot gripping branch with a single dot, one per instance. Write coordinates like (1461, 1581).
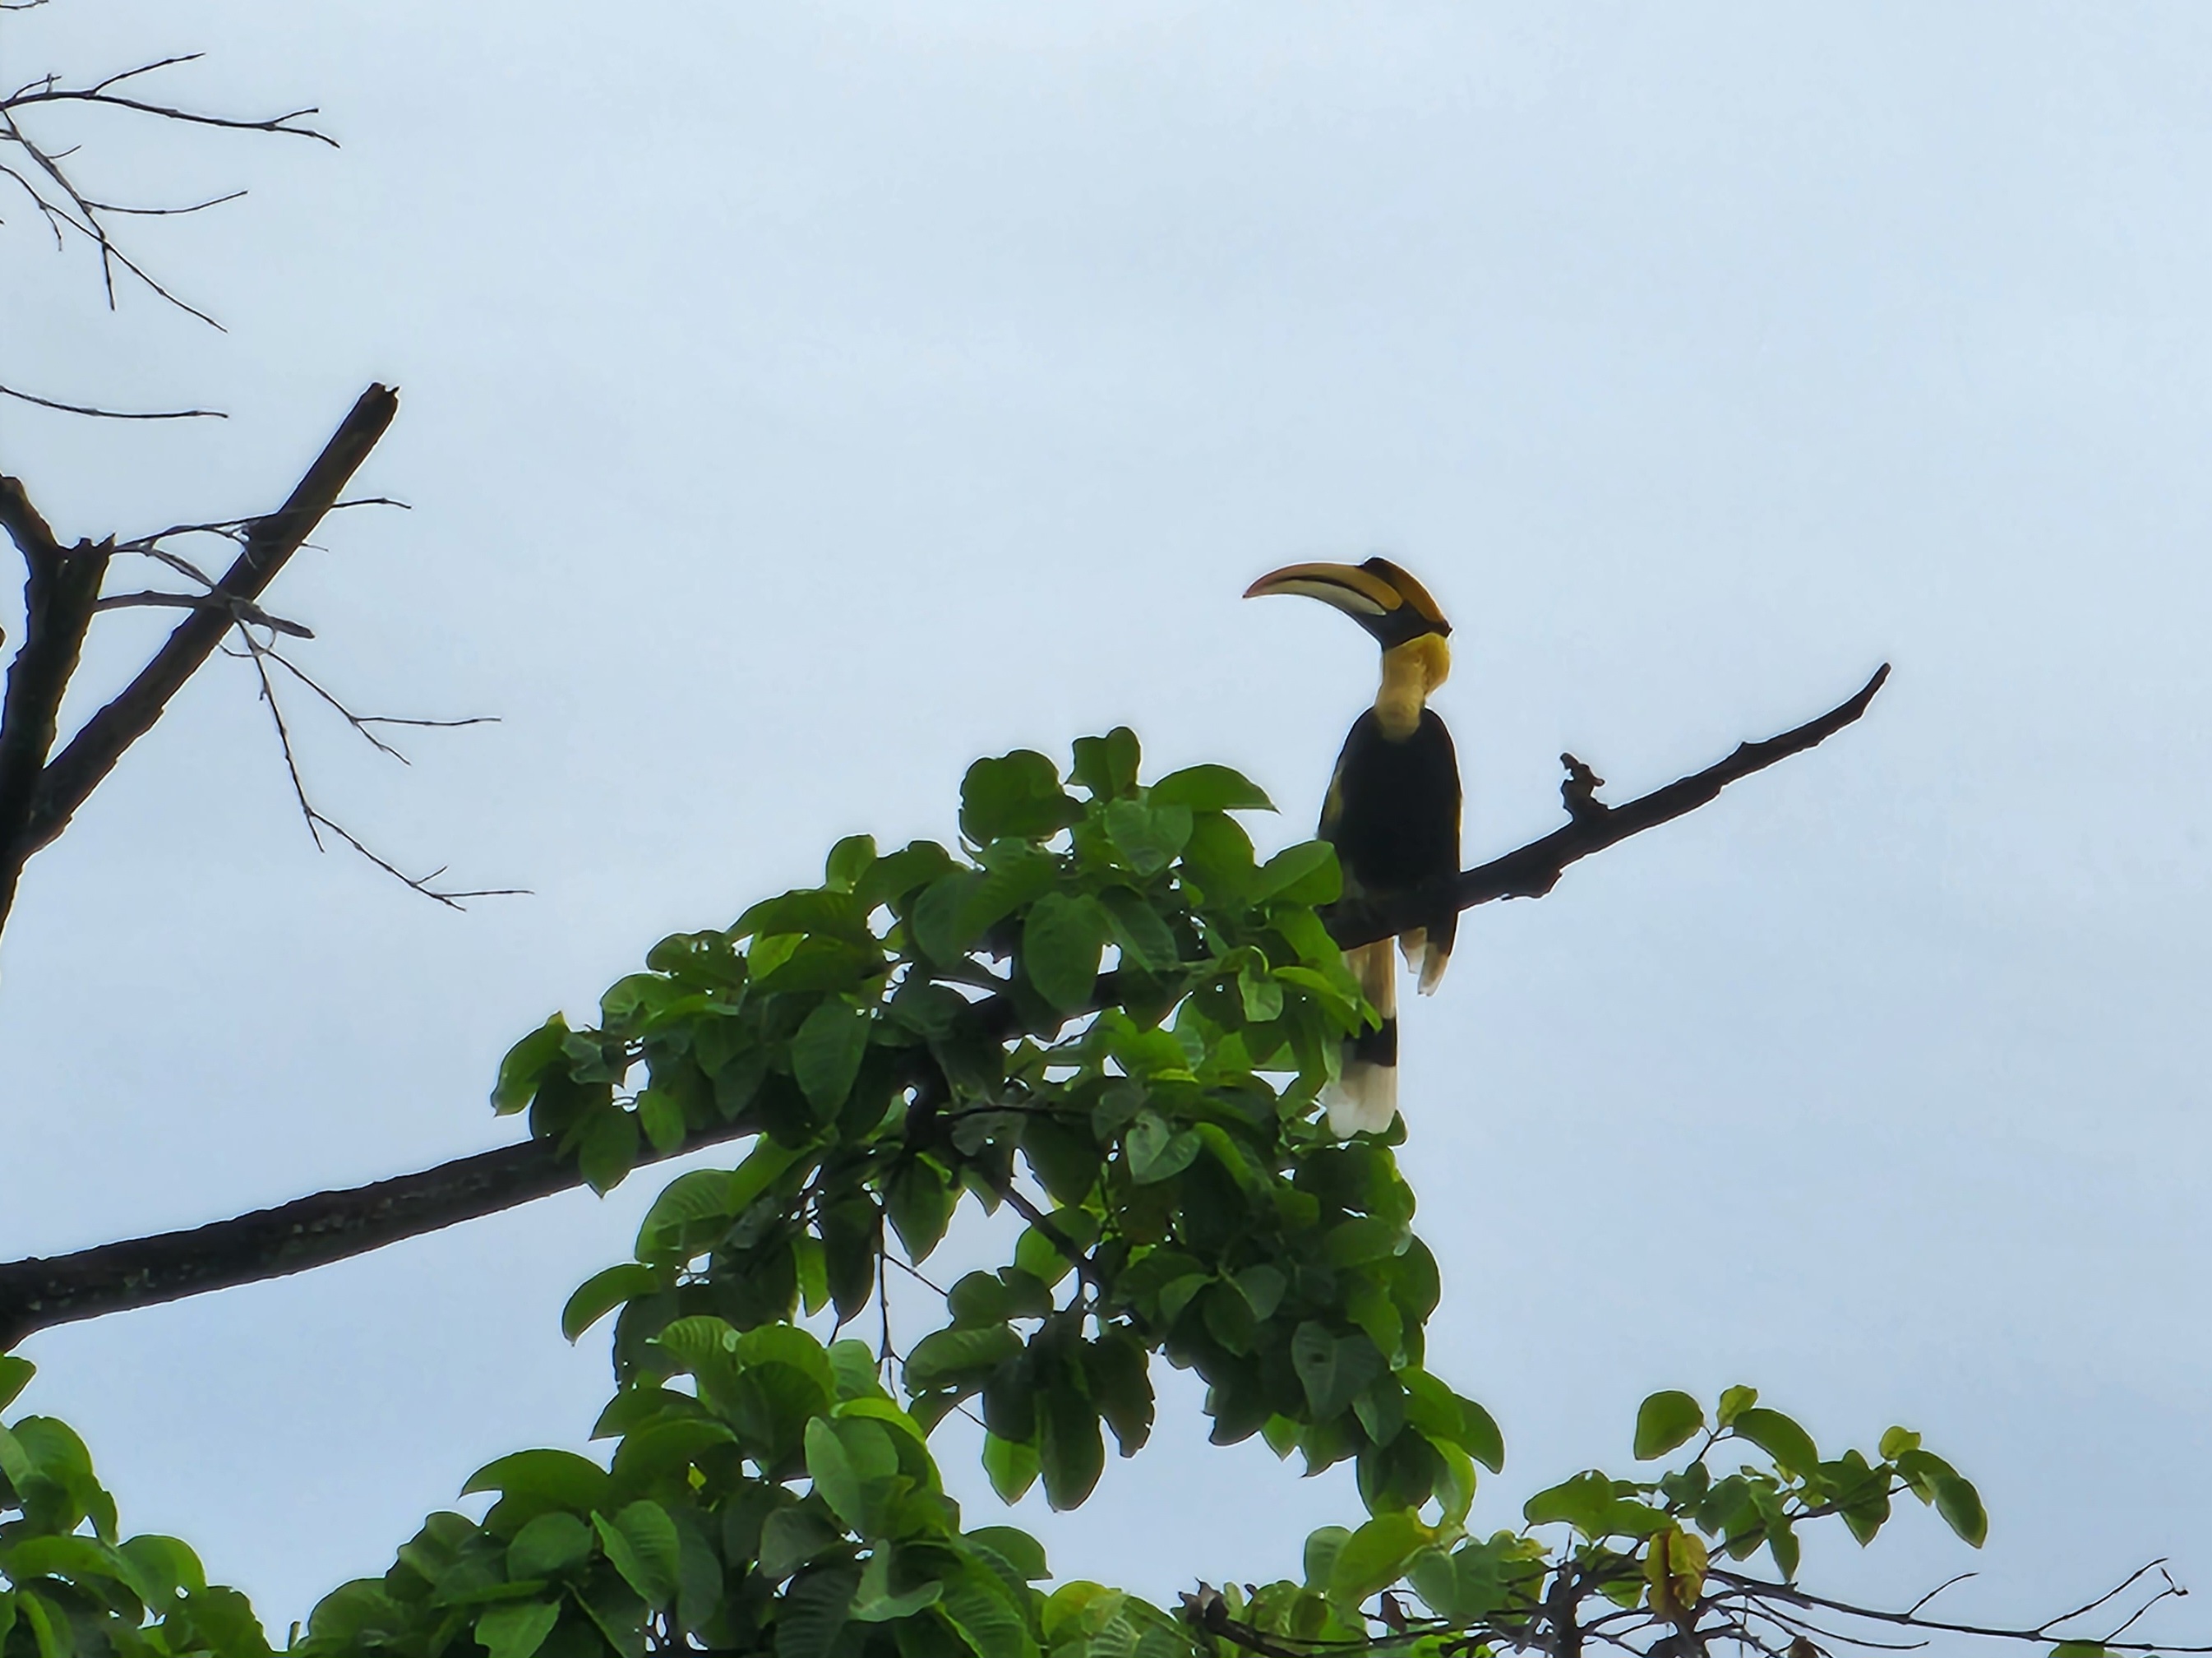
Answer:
(929, 1028)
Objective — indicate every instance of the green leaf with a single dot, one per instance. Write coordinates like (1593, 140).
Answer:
(549, 1544)
(814, 1610)
(14, 1373)
(1071, 1451)
(1960, 1505)
(1443, 1415)
(1148, 835)
(1895, 1442)
(1323, 1548)
(834, 1476)
(987, 1617)
(792, 1536)
(896, 875)
(1375, 1556)
(849, 860)
(1665, 1420)
(1017, 875)
(1017, 794)
(1157, 1152)
(1061, 940)
(1140, 930)
(1262, 1286)
(1781, 1438)
(166, 1562)
(696, 1197)
(920, 1199)
(837, 914)
(948, 1357)
(559, 1479)
(1012, 1466)
(985, 1298)
(1045, 1257)
(1021, 1554)
(1209, 788)
(2079, 1649)
(519, 1628)
(1107, 766)
(51, 1641)
(661, 1116)
(1121, 1385)
(1734, 1402)
(1584, 1501)
(1306, 873)
(1332, 1368)
(811, 1263)
(819, 964)
(641, 1544)
(876, 1604)
(601, 1293)
(606, 1147)
(527, 1061)
(1261, 994)
(825, 1053)
(77, 1559)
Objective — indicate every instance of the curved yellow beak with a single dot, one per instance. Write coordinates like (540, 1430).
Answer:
(1351, 589)
(1382, 599)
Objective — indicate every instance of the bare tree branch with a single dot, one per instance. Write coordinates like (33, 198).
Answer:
(69, 778)
(314, 1231)
(330, 1226)
(1533, 870)
(59, 593)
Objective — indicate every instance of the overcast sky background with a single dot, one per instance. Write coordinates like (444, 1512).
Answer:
(800, 402)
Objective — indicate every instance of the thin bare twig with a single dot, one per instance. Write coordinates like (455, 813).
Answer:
(243, 610)
(110, 414)
(261, 654)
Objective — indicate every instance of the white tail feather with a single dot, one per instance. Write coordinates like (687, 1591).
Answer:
(1365, 1100)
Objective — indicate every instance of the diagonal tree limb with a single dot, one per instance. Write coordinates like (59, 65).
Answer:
(1533, 870)
(69, 778)
(59, 590)
(38, 1293)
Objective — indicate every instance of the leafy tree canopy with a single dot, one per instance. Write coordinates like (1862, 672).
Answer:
(1104, 1011)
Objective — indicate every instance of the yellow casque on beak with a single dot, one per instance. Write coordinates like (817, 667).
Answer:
(1380, 597)
(1349, 588)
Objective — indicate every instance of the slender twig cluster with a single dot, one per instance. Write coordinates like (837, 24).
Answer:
(256, 631)
(1752, 1614)
(41, 169)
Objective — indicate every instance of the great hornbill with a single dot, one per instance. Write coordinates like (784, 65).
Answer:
(1392, 811)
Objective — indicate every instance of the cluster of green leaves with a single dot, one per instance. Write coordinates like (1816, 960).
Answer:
(931, 1025)
(928, 1027)
(781, 1501)
(1633, 1545)
(69, 1587)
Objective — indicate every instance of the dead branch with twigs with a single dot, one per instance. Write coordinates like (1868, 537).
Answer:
(1776, 1619)
(39, 789)
(47, 177)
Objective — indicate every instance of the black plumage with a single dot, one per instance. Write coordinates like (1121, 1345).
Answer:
(1393, 813)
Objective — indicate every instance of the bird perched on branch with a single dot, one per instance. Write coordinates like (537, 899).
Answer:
(1392, 811)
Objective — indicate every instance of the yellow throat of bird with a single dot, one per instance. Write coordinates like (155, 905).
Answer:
(1410, 672)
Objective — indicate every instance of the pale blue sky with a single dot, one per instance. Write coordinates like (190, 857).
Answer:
(798, 401)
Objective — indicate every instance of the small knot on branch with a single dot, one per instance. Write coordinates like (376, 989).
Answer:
(1580, 790)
